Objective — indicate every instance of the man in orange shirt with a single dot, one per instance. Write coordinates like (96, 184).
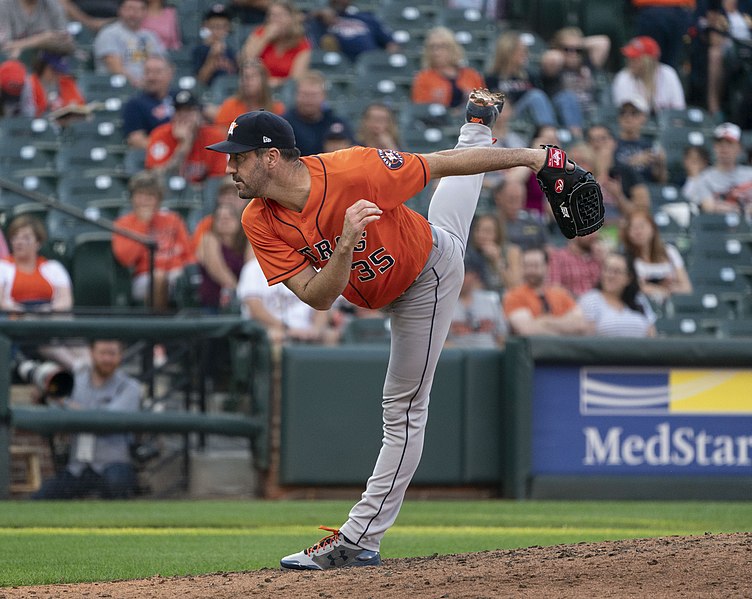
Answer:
(173, 242)
(336, 224)
(534, 308)
(179, 146)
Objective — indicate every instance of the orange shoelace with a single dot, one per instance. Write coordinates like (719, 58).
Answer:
(326, 541)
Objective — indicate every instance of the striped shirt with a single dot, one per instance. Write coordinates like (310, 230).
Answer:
(614, 322)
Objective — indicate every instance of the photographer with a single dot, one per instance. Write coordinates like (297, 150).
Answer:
(98, 464)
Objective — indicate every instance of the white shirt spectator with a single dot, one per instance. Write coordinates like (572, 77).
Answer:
(655, 272)
(480, 323)
(132, 47)
(277, 299)
(613, 322)
(715, 183)
(669, 92)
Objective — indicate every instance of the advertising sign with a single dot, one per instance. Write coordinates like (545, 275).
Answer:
(617, 420)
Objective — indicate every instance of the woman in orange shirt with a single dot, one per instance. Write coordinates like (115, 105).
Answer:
(51, 86)
(444, 78)
(280, 43)
(254, 93)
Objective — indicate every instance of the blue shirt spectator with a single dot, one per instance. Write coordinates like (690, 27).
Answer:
(343, 27)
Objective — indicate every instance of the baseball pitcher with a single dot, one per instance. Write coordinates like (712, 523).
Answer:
(336, 224)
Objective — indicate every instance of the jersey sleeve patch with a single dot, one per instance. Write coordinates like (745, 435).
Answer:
(392, 159)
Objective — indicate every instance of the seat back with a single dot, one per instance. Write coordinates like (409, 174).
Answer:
(98, 279)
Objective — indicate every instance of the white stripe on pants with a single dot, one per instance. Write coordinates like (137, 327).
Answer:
(420, 320)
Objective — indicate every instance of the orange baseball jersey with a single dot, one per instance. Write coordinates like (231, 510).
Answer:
(233, 106)
(393, 250)
(174, 248)
(199, 163)
(559, 300)
(429, 86)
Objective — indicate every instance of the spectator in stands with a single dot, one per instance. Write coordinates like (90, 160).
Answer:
(310, 116)
(213, 57)
(520, 227)
(577, 265)
(254, 93)
(31, 283)
(657, 84)
(535, 201)
(602, 142)
(179, 146)
(173, 250)
(636, 158)
(337, 138)
(695, 160)
(249, 12)
(33, 25)
(221, 254)
(284, 316)
(280, 44)
(534, 308)
(163, 20)
(616, 307)
(499, 263)
(122, 47)
(509, 74)
(478, 320)
(659, 266)
(150, 107)
(726, 186)
(444, 78)
(12, 83)
(50, 85)
(340, 28)
(98, 465)
(227, 195)
(568, 71)
(92, 14)
(665, 21)
(378, 127)
(727, 22)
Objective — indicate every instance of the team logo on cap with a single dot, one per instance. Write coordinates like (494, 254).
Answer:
(266, 139)
(392, 159)
(232, 128)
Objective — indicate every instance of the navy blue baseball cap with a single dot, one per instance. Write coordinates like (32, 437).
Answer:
(254, 130)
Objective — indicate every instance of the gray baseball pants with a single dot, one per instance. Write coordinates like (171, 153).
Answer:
(420, 320)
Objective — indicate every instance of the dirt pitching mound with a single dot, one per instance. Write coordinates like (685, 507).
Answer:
(693, 567)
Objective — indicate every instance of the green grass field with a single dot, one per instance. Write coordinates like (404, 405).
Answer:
(49, 542)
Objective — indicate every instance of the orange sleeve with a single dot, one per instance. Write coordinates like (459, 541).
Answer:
(422, 92)
(217, 165)
(227, 112)
(204, 225)
(185, 254)
(129, 253)
(278, 260)
(470, 79)
(561, 300)
(160, 147)
(516, 298)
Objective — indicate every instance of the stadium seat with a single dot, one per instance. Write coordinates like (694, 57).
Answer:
(87, 159)
(80, 191)
(21, 157)
(430, 115)
(102, 87)
(684, 326)
(706, 308)
(674, 140)
(687, 118)
(423, 140)
(367, 330)
(33, 131)
(98, 279)
(741, 328)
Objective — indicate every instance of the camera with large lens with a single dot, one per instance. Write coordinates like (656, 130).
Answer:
(51, 379)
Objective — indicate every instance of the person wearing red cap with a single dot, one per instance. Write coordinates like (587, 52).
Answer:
(645, 77)
(12, 81)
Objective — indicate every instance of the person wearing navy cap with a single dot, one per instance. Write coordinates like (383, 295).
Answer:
(336, 224)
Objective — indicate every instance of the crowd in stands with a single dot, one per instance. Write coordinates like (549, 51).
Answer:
(189, 68)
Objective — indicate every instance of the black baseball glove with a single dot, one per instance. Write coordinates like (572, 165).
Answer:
(575, 196)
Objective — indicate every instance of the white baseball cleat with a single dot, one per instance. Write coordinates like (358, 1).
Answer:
(333, 551)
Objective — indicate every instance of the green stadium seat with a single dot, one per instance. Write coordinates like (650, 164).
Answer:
(98, 279)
